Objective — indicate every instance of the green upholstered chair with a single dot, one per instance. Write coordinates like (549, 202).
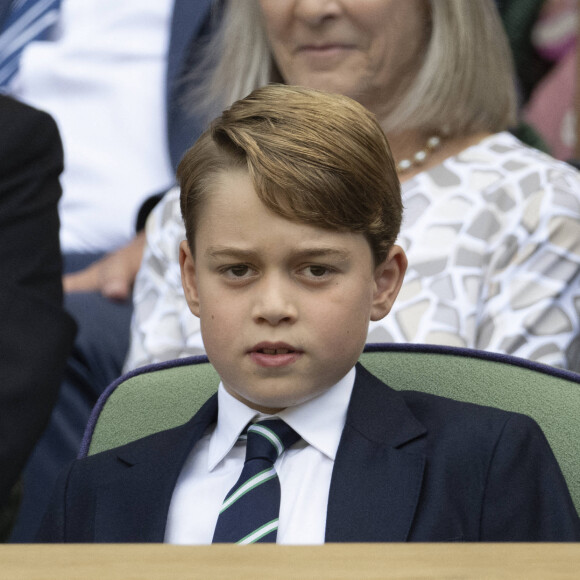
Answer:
(165, 395)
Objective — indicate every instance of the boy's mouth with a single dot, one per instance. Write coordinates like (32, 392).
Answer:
(273, 348)
(274, 354)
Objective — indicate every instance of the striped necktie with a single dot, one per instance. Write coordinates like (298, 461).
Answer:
(250, 510)
(28, 20)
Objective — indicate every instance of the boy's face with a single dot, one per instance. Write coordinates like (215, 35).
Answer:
(284, 306)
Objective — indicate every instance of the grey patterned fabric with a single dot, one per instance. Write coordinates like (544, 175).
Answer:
(493, 241)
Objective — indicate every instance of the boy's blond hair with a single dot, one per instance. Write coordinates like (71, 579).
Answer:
(313, 158)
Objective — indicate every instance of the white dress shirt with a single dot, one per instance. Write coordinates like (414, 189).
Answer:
(103, 80)
(215, 463)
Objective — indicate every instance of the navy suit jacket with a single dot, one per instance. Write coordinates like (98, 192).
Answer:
(410, 467)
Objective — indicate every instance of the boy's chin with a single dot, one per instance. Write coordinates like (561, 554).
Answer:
(266, 410)
(272, 396)
(271, 405)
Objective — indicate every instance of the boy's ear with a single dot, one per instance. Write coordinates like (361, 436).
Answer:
(188, 277)
(389, 276)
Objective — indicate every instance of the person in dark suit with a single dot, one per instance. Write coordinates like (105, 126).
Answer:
(292, 207)
(36, 334)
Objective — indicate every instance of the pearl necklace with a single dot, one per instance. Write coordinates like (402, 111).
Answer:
(419, 157)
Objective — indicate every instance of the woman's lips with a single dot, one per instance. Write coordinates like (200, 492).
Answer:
(325, 49)
(324, 57)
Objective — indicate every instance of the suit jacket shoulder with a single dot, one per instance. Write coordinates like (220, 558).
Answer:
(123, 494)
(442, 470)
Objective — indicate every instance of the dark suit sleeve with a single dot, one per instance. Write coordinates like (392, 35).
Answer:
(52, 528)
(526, 497)
(35, 332)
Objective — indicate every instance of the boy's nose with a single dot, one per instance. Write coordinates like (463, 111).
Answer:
(273, 302)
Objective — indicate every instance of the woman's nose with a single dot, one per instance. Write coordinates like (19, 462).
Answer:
(317, 11)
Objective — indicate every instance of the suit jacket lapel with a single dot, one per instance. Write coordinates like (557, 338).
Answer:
(138, 496)
(377, 476)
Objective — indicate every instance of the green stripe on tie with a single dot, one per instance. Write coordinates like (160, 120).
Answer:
(249, 485)
(259, 533)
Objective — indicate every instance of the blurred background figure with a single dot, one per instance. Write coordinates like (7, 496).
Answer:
(551, 104)
(36, 333)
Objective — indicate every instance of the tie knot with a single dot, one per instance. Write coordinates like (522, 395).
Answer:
(268, 439)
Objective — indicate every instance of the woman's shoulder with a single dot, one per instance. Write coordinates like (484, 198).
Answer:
(507, 154)
(496, 162)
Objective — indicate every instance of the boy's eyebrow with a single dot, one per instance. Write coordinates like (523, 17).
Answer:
(323, 253)
(239, 253)
(227, 251)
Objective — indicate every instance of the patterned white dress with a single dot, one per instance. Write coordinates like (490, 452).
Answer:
(493, 241)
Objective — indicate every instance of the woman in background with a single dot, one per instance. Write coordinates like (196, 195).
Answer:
(491, 226)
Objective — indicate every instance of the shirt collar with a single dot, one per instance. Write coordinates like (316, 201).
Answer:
(319, 421)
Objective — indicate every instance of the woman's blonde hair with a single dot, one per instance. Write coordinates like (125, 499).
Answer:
(465, 84)
(313, 157)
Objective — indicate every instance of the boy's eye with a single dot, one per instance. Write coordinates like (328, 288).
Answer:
(317, 271)
(238, 271)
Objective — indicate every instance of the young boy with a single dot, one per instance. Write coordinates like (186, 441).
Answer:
(292, 207)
